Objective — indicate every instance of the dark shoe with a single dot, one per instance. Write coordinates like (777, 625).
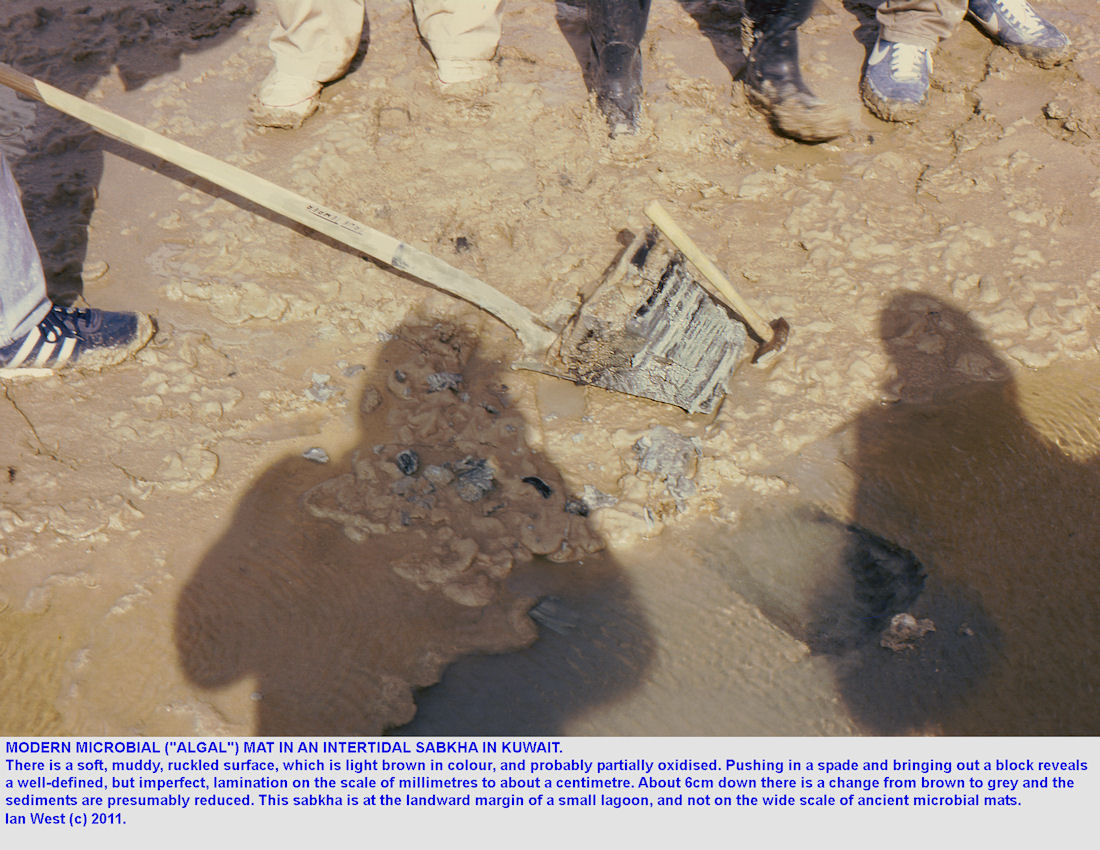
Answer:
(618, 84)
(1016, 26)
(773, 82)
(616, 28)
(67, 336)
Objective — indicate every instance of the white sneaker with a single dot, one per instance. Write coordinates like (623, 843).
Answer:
(895, 82)
(452, 71)
(285, 101)
(1018, 27)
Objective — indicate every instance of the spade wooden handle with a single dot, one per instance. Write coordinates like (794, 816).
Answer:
(393, 252)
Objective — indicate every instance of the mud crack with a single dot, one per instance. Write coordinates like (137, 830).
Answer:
(41, 447)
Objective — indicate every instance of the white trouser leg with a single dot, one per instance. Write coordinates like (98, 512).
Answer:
(316, 39)
(462, 35)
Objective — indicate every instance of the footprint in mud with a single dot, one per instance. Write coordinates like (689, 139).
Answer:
(345, 588)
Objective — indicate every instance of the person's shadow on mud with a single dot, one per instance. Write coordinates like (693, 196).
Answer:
(344, 588)
(1003, 521)
(74, 47)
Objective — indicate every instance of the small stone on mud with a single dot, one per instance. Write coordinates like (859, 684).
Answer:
(473, 479)
(576, 506)
(438, 474)
(408, 462)
(316, 454)
(904, 631)
(399, 376)
(670, 458)
(665, 454)
(545, 490)
(370, 401)
(320, 391)
(594, 499)
(439, 381)
(1055, 110)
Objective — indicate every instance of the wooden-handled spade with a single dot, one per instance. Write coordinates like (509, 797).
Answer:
(771, 336)
(683, 353)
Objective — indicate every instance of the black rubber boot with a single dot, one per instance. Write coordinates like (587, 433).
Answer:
(773, 78)
(617, 28)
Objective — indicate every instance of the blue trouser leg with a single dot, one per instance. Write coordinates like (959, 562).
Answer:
(23, 301)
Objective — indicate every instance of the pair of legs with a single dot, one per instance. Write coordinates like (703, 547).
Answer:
(895, 82)
(35, 335)
(772, 75)
(314, 42)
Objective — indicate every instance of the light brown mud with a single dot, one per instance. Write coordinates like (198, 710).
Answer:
(171, 563)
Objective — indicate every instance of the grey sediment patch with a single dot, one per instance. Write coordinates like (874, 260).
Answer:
(671, 458)
(473, 479)
(320, 390)
(906, 645)
(408, 462)
(439, 381)
(831, 585)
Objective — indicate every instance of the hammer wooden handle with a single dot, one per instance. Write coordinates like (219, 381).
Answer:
(660, 217)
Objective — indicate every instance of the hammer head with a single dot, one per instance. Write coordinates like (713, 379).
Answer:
(780, 331)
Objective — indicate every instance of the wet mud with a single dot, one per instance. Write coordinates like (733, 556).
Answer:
(994, 499)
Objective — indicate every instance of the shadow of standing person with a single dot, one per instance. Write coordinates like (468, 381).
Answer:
(342, 588)
(1004, 521)
(74, 47)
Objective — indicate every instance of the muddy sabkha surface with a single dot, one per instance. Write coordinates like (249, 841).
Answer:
(172, 564)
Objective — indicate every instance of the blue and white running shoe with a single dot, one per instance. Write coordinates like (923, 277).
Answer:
(1017, 27)
(85, 337)
(895, 82)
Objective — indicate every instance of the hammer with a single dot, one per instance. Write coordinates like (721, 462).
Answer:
(772, 337)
